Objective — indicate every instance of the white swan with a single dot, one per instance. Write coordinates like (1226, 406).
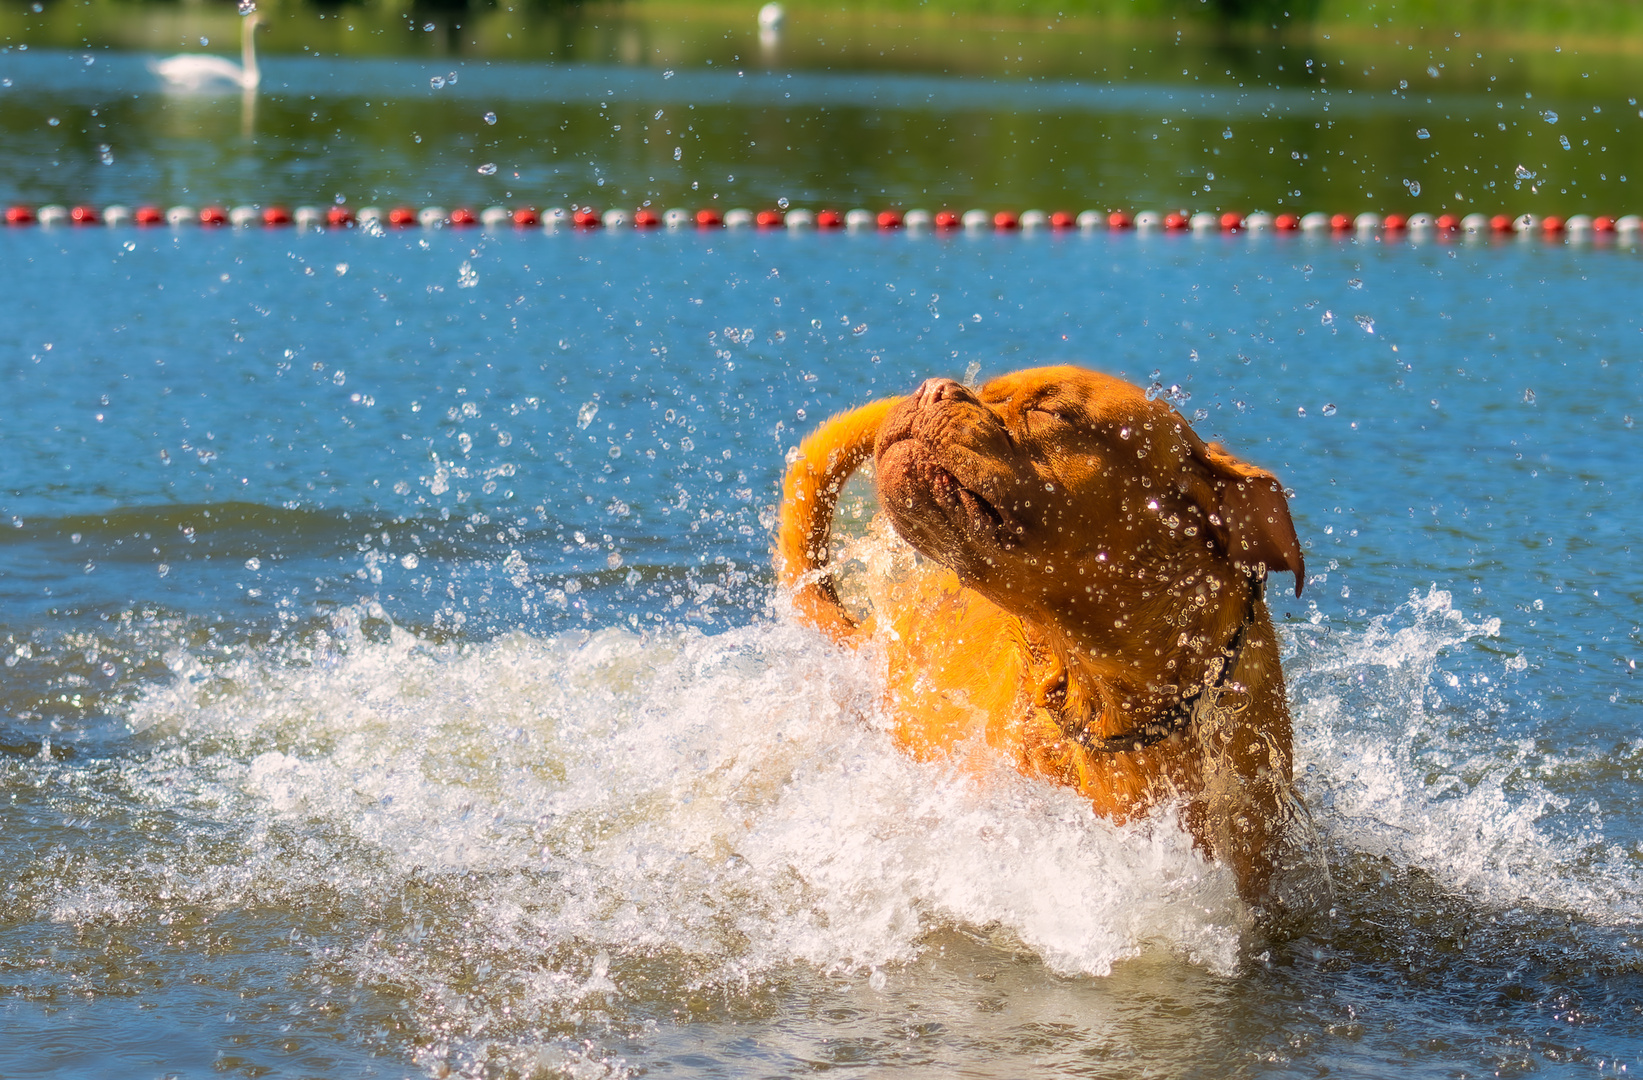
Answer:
(193, 71)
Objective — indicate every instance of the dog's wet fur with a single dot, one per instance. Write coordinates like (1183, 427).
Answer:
(1097, 569)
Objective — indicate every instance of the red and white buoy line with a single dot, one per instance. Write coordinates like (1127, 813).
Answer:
(1576, 228)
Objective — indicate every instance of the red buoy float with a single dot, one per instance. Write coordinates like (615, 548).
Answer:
(213, 216)
(947, 219)
(84, 215)
(1118, 219)
(149, 215)
(1501, 223)
(1341, 222)
(1551, 224)
(829, 219)
(709, 218)
(1394, 222)
(1231, 222)
(1061, 219)
(526, 216)
(1005, 220)
(770, 219)
(889, 219)
(645, 218)
(463, 216)
(1603, 224)
(1448, 222)
(275, 216)
(1286, 223)
(1175, 221)
(19, 215)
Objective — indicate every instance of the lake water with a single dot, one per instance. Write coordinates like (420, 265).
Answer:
(393, 683)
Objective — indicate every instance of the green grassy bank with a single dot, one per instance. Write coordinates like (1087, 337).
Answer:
(393, 25)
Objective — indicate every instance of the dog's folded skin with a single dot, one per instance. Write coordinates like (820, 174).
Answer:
(1098, 615)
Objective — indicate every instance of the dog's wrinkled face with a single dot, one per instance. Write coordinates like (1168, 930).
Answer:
(1047, 480)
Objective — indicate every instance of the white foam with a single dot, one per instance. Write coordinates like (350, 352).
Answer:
(538, 832)
(1388, 773)
(729, 797)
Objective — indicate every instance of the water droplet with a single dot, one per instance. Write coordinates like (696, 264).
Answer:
(53, 121)
(437, 82)
(1524, 174)
(782, 203)
(105, 153)
(859, 330)
(678, 152)
(1564, 139)
(1354, 283)
(1422, 133)
(613, 560)
(490, 118)
(339, 378)
(253, 563)
(1227, 134)
(668, 74)
(585, 415)
(1549, 116)
(247, 6)
(1300, 410)
(1414, 186)
(342, 268)
(1328, 410)
(487, 169)
(409, 562)
(427, 28)
(1432, 71)
(466, 276)
(1366, 322)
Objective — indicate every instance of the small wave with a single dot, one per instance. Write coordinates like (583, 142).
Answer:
(1407, 749)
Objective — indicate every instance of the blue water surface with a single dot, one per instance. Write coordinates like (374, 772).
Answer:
(217, 441)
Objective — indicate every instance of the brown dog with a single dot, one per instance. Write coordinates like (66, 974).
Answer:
(1096, 613)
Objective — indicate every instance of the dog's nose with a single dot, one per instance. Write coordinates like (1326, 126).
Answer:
(935, 391)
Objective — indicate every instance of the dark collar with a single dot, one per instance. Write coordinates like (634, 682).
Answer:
(1186, 711)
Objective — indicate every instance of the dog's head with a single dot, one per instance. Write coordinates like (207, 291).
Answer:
(1047, 481)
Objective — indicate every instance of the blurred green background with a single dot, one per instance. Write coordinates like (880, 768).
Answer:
(1231, 104)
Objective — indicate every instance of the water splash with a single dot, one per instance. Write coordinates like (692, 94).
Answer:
(1382, 719)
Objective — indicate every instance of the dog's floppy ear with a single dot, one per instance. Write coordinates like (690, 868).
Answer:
(1249, 513)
